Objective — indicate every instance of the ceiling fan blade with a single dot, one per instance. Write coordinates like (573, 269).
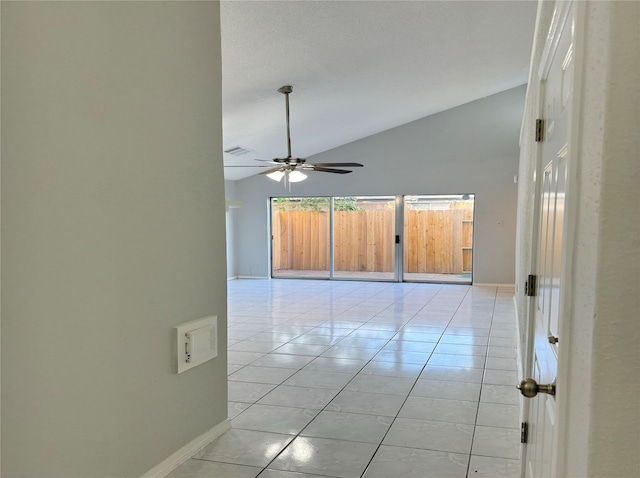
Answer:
(348, 165)
(292, 165)
(269, 171)
(246, 166)
(315, 167)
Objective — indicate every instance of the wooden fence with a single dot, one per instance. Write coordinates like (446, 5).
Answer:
(436, 241)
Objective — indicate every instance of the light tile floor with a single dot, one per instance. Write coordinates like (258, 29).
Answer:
(333, 379)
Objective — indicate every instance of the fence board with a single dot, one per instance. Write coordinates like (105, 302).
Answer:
(456, 232)
(323, 240)
(370, 259)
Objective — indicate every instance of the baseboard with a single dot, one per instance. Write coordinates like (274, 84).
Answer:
(232, 278)
(176, 459)
(487, 284)
(254, 277)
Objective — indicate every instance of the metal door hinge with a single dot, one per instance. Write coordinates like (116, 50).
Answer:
(524, 432)
(539, 130)
(530, 286)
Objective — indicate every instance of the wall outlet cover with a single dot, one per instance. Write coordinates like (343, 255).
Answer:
(196, 342)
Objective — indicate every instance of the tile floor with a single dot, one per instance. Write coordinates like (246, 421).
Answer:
(333, 379)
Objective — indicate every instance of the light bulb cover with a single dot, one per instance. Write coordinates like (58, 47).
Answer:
(276, 175)
(296, 176)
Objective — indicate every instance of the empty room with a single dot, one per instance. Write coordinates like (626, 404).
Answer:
(320, 239)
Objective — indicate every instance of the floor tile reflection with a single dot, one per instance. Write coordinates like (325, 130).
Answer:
(244, 447)
(336, 458)
(333, 379)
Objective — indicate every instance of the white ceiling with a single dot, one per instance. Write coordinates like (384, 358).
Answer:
(359, 67)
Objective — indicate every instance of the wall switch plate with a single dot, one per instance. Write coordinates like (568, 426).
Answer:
(196, 342)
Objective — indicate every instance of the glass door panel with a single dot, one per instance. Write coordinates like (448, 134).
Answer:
(300, 230)
(364, 237)
(438, 238)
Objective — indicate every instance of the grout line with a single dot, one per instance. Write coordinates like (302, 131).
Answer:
(414, 384)
(484, 372)
(347, 293)
(344, 387)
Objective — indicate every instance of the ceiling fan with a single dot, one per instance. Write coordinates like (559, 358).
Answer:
(291, 168)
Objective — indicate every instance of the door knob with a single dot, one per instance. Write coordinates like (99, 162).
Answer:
(530, 388)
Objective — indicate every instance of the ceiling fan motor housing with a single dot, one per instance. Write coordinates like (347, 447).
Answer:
(290, 161)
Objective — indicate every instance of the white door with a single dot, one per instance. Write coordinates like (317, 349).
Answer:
(556, 86)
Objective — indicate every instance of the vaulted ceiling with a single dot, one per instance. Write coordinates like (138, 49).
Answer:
(359, 67)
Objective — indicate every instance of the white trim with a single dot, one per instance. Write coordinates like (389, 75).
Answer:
(519, 345)
(558, 21)
(487, 284)
(569, 351)
(524, 404)
(232, 278)
(176, 459)
(254, 277)
(536, 34)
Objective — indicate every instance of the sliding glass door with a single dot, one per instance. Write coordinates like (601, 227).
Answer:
(364, 237)
(300, 237)
(438, 238)
(425, 238)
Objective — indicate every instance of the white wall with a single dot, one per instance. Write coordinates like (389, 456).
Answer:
(609, 180)
(599, 360)
(469, 149)
(112, 232)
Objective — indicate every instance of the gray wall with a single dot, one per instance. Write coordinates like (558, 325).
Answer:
(469, 149)
(230, 193)
(112, 232)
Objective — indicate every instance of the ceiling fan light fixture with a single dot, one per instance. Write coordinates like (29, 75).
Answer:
(296, 176)
(287, 167)
(276, 175)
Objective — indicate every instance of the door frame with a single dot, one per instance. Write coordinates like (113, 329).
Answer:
(399, 246)
(400, 230)
(570, 221)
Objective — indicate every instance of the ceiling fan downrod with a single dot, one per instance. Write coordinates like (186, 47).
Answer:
(286, 90)
(291, 169)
